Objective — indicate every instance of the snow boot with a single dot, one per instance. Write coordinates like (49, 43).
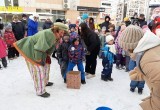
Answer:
(0, 67)
(110, 79)
(140, 91)
(49, 84)
(45, 95)
(104, 78)
(83, 81)
(132, 89)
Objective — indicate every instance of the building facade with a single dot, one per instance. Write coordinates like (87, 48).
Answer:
(54, 9)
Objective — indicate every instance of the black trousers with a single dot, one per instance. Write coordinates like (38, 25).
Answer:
(11, 52)
(91, 63)
(4, 61)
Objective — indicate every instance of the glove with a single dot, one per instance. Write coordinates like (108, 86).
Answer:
(48, 60)
(88, 53)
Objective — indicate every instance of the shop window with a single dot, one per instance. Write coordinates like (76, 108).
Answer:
(8, 3)
(42, 10)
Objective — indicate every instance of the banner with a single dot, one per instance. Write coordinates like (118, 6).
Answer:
(11, 9)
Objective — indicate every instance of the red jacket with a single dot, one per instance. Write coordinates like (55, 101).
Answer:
(9, 38)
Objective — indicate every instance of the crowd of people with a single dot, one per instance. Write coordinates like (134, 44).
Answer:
(133, 46)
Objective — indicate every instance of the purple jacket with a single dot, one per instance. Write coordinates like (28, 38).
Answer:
(76, 53)
(118, 48)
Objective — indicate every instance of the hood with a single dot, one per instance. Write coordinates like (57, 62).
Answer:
(31, 17)
(149, 40)
(108, 18)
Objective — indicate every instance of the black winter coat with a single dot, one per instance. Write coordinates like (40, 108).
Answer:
(92, 42)
(47, 25)
(62, 51)
(18, 30)
(105, 24)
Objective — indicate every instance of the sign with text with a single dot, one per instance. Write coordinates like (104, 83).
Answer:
(93, 9)
(11, 9)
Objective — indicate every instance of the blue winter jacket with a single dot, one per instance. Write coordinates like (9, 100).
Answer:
(32, 27)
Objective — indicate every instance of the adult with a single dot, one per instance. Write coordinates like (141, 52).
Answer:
(18, 29)
(25, 22)
(91, 24)
(85, 18)
(106, 23)
(92, 43)
(141, 20)
(47, 24)
(145, 50)
(127, 21)
(33, 24)
(37, 50)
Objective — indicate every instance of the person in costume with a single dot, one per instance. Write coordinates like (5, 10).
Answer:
(36, 50)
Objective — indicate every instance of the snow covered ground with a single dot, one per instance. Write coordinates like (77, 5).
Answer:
(17, 91)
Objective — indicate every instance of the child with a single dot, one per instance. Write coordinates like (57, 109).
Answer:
(136, 78)
(120, 58)
(3, 53)
(102, 37)
(108, 56)
(10, 39)
(76, 55)
(73, 33)
(62, 54)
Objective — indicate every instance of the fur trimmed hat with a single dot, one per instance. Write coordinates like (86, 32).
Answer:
(130, 37)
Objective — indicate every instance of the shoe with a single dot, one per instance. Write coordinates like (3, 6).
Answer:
(45, 95)
(10, 58)
(64, 80)
(83, 81)
(104, 79)
(90, 76)
(132, 89)
(140, 91)
(49, 84)
(86, 73)
(110, 79)
(119, 68)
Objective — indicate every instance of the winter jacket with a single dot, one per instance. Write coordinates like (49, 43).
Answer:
(18, 29)
(9, 38)
(25, 23)
(47, 25)
(73, 35)
(62, 51)
(92, 42)
(3, 48)
(118, 48)
(148, 65)
(106, 24)
(32, 26)
(127, 23)
(36, 48)
(142, 22)
(76, 53)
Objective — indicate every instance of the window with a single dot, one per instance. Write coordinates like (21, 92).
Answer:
(58, 14)
(8, 3)
(42, 10)
(15, 3)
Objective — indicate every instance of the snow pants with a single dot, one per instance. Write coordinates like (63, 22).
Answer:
(40, 76)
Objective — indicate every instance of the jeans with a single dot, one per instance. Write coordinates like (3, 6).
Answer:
(71, 65)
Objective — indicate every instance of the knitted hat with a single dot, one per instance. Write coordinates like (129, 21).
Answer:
(61, 26)
(109, 38)
(84, 16)
(36, 15)
(9, 26)
(126, 19)
(24, 15)
(130, 37)
(58, 20)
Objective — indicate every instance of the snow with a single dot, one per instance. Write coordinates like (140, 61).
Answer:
(17, 91)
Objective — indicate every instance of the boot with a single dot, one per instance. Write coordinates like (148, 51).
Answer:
(110, 79)
(132, 89)
(83, 81)
(64, 80)
(140, 91)
(103, 78)
(45, 95)
(0, 67)
(49, 84)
